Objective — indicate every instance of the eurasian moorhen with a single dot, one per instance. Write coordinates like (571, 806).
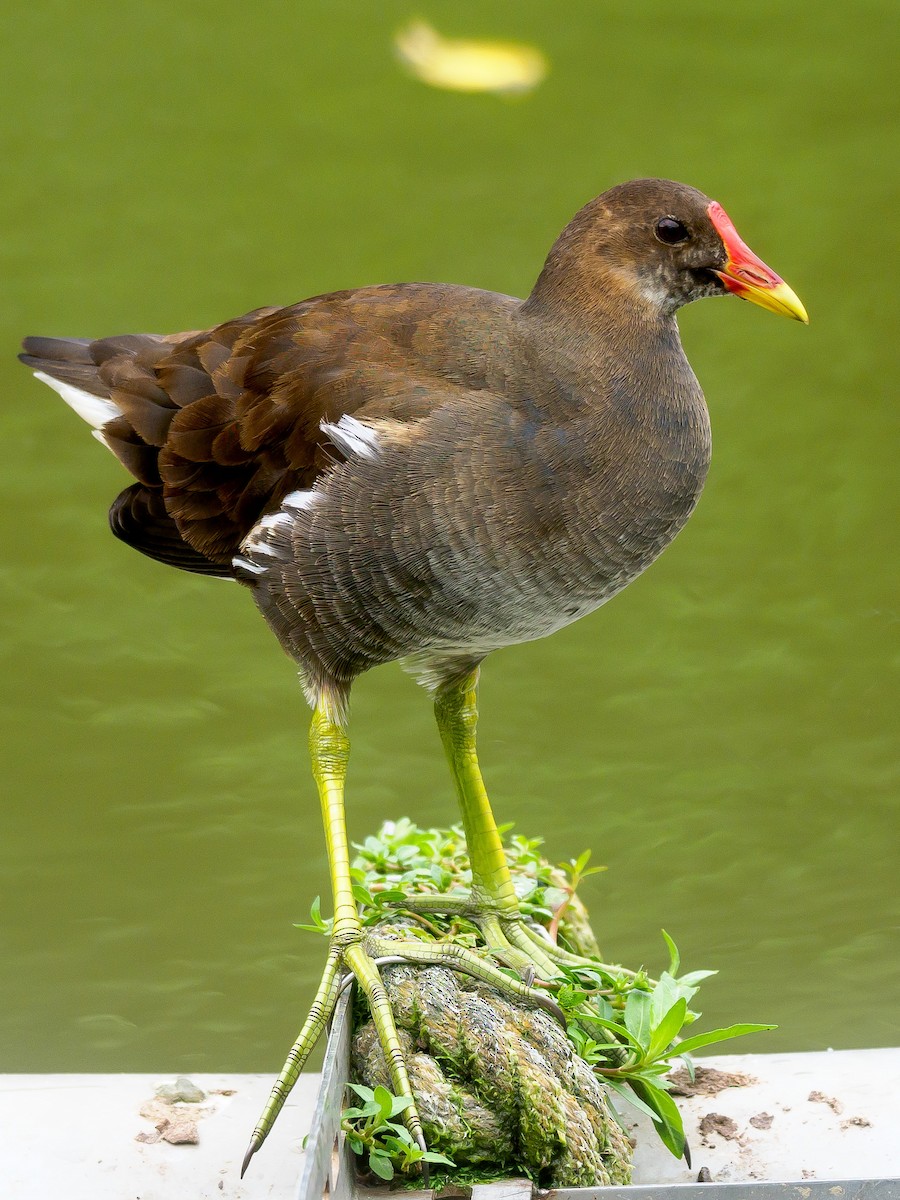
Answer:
(426, 472)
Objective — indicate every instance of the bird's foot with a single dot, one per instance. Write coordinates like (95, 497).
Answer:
(359, 960)
(388, 951)
(507, 933)
(515, 942)
(319, 1015)
(349, 959)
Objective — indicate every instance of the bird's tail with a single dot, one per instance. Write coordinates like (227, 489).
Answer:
(111, 384)
(67, 365)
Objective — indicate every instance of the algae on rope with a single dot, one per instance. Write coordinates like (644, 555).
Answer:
(498, 1086)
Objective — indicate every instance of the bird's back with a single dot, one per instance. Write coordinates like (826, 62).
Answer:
(217, 426)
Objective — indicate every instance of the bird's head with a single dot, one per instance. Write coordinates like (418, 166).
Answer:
(660, 245)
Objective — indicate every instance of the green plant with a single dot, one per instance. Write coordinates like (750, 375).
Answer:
(384, 1143)
(627, 1026)
(573, 871)
(629, 1029)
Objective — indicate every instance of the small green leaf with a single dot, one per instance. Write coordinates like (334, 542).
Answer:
(554, 897)
(362, 1091)
(581, 862)
(381, 1165)
(602, 1007)
(401, 1133)
(663, 996)
(665, 1032)
(623, 1090)
(319, 923)
(356, 1144)
(719, 1035)
(674, 956)
(694, 977)
(666, 1115)
(384, 1100)
(638, 1017)
(399, 1104)
(613, 1026)
(569, 996)
(434, 1157)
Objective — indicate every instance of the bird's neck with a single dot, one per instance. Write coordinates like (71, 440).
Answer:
(589, 288)
(599, 331)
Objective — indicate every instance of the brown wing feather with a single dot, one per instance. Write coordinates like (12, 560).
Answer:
(218, 426)
(138, 517)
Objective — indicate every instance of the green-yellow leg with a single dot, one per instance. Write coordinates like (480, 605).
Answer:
(492, 903)
(493, 895)
(329, 749)
(456, 713)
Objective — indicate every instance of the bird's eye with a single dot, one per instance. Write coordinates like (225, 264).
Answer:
(671, 231)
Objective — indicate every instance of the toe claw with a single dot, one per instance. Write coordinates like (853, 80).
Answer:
(251, 1150)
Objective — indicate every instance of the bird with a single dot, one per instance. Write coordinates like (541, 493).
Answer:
(426, 473)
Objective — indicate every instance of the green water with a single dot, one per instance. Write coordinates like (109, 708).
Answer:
(719, 734)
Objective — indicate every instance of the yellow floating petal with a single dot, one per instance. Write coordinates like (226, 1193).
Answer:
(468, 66)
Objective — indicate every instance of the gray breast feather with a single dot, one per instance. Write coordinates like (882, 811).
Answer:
(430, 546)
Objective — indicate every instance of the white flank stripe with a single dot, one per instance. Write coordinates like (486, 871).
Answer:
(247, 565)
(93, 409)
(278, 520)
(352, 436)
(302, 499)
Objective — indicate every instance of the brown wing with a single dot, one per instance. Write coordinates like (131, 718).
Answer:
(139, 518)
(218, 426)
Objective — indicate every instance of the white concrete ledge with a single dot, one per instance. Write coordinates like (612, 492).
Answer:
(77, 1137)
(834, 1115)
